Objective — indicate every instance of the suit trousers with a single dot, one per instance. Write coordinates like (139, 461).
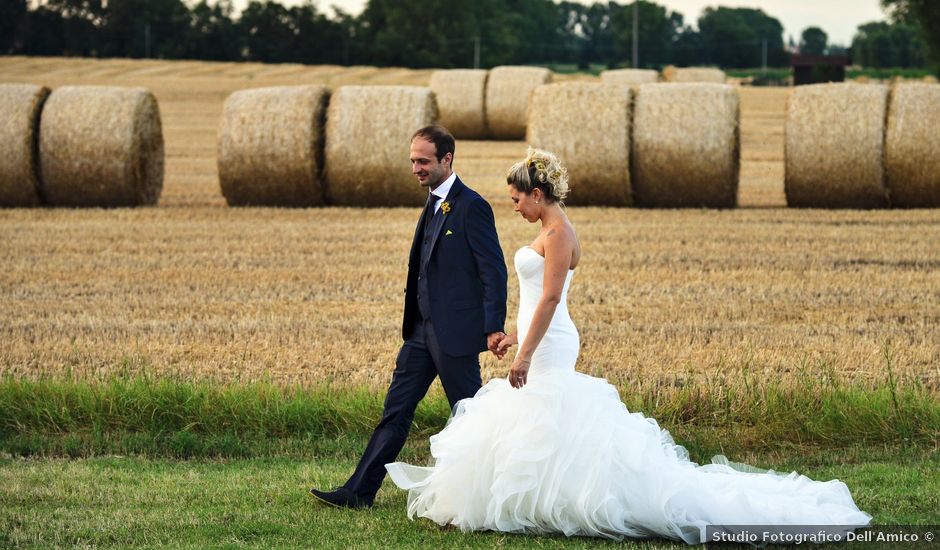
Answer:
(419, 361)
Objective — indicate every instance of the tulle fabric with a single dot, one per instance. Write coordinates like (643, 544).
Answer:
(564, 455)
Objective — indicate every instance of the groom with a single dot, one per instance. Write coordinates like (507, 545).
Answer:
(455, 307)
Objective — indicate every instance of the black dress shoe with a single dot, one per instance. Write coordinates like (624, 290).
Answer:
(341, 497)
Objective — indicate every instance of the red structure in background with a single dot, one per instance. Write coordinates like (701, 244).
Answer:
(813, 69)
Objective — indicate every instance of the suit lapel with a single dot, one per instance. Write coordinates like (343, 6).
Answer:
(438, 224)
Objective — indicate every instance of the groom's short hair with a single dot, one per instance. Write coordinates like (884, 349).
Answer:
(441, 138)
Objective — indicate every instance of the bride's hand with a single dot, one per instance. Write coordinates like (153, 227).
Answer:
(504, 344)
(519, 372)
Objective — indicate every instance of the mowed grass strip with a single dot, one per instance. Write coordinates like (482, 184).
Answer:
(172, 417)
(139, 502)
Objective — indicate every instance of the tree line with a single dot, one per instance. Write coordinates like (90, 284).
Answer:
(439, 33)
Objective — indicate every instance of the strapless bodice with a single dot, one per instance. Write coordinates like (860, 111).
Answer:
(559, 347)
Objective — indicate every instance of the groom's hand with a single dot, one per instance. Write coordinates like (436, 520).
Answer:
(503, 345)
(492, 342)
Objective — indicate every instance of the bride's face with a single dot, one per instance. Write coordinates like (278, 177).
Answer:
(524, 204)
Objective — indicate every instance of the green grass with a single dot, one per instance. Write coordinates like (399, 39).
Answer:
(250, 451)
(140, 502)
(888, 72)
(777, 76)
(168, 417)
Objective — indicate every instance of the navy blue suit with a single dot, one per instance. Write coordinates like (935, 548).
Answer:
(462, 294)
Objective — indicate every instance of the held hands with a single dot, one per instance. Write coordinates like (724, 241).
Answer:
(503, 345)
(519, 371)
(492, 342)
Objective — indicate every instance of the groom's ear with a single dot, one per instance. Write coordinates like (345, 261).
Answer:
(448, 159)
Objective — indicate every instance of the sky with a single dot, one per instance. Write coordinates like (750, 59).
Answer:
(838, 18)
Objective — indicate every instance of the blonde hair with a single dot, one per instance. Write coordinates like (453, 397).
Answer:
(540, 170)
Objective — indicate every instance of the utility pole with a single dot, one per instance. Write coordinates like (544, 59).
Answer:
(476, 52)
(636, 37)
(763, 56)
(147, 39)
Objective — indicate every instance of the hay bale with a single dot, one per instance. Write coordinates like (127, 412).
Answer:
(368, 142)
(686, 146)
(912, 146)
(101, 146)
(507, 99)
(629, 77)
(461, 100)
(834, 146)
(271, 146)
(588, 126)
(20, 105)
(693, 74)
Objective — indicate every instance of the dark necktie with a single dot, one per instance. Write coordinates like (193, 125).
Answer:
(429, 209)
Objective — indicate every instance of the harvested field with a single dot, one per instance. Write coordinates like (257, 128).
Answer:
(196, 288)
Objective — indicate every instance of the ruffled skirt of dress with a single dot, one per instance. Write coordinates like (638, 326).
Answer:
(564, 455)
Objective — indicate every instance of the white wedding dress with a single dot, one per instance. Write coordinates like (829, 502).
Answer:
(564, 455)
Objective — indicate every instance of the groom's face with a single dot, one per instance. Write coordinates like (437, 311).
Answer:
(425, 166)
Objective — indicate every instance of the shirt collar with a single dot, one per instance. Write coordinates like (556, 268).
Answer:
(444, 188)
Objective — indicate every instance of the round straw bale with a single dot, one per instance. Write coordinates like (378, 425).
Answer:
(912, 146)
(693, 74)
(271, 146)
(686, 146)
(461, 96)
(834, 146)
(588, 126)
(20, 105)
(101, 146)
(368, 141)
(507, 99)
(630, 77)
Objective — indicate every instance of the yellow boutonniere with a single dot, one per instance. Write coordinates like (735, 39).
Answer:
(445, 207)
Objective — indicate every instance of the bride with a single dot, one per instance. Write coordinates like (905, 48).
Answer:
(551, 450)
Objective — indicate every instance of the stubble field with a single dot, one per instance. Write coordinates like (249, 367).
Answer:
(195, 288)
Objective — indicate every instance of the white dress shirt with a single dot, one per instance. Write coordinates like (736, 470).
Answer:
(443, 189)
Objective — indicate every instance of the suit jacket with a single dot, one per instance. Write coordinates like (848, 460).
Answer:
(466, 275)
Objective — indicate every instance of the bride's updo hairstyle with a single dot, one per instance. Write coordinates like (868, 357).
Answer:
(540, 170)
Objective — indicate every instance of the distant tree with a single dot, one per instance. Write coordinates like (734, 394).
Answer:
(882, 44)
(688, 49)
(925, 15)
(586, 33)
(146, 28)
(509, 31)
(813, 41)
(838, 49)
(349, 31)
(770, 29)
(12, 19)
(43, 32)
(733, 37)
(64, 27)
(657, 29)
(265, 29)
(91, 10)
(727, 39)
(316, 38)
(390, 33)
(532, 25)
(871, 45)
(212, 34)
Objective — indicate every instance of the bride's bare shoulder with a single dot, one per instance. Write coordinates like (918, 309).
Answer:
(562, 233)
(561, 241)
